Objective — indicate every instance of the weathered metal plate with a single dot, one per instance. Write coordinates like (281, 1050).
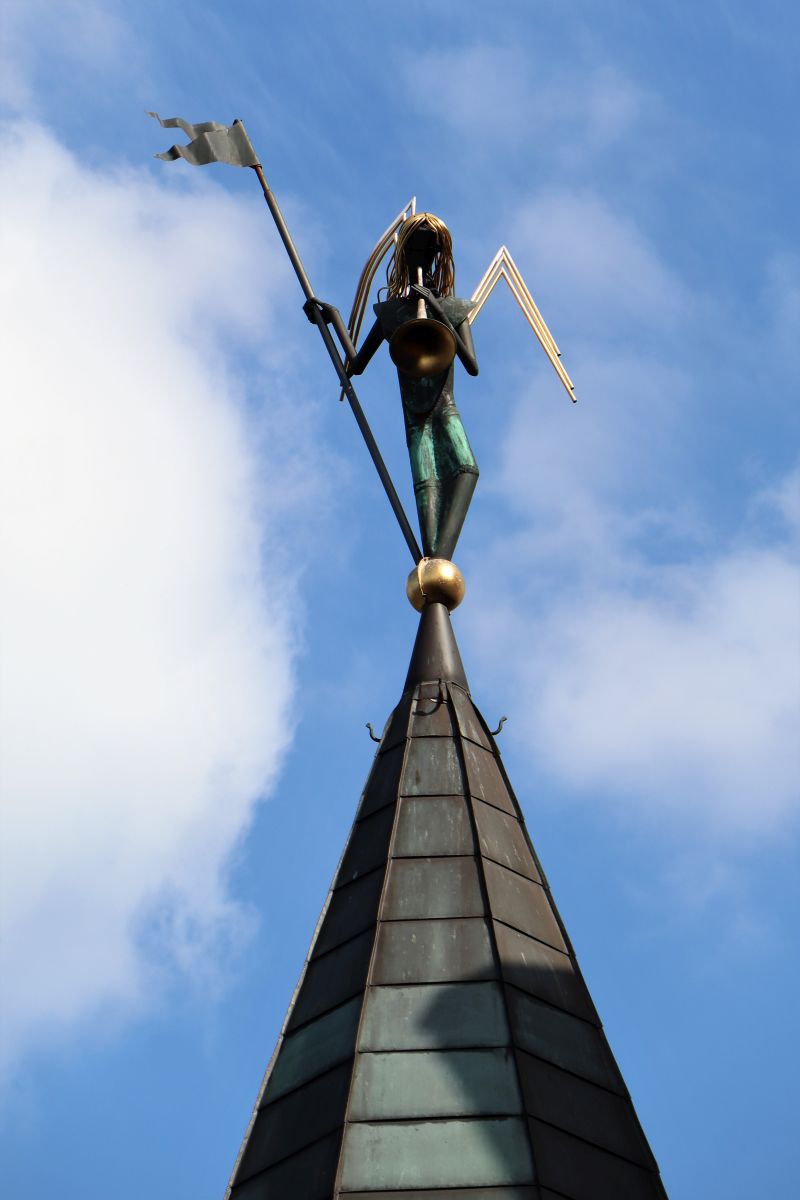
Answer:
(485, 778)
(352, 909)
(432, 887)
(433, 825)
(310, 1174)
(469, 722)
(427, 1083)
(542, 971)
(436, 1154)
(433, 952)
(431, 716)
(583, 1109)
(501, 1193)
(395, 730)
(314, 1049)
(297, 1120)
(333, 978)
(562, 1039)
(434, 1016)
(384, 779)
(432, 768)
(368, 846)
(584, 1172)
(502, 839)
(522, 903)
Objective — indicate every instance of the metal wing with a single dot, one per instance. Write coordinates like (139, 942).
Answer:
(377, 253)
(503, 266)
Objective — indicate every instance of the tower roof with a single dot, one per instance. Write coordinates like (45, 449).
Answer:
(442, 1041)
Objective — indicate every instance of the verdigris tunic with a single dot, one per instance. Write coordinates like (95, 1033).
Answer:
(437, 443)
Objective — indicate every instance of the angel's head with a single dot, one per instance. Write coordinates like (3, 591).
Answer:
(422, 241)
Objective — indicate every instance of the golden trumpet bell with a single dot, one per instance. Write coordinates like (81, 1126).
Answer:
(422, 346)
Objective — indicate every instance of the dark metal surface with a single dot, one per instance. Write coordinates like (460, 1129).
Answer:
(334, 977)
(429, 825)
(432, 768)
(501, 839)
(396, 728)
(433, 951)
(430, 1154)
(469, 722)
(435, 654)
(313, 1049)
(567, 1041)
(434, 1083)
(544, 972)
(484, 778)
(431, 712)
(523, 904)
(368, 846)
(381, 788)
(583, 1109)
(501, 1193)
(352, 909)
(434, 1016)
(300, 1118)
(427, 1070)
(584, 1172)
(309, 1174)
(432, 887)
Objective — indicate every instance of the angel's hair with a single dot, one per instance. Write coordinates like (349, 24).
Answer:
(443, 269)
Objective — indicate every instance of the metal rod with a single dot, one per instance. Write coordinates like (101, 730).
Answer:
(335, 357)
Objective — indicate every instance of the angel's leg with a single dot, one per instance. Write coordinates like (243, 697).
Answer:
(458, 472)
(427, 487)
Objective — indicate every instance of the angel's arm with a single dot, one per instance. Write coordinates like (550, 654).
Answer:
(465, 347)
(356, 359)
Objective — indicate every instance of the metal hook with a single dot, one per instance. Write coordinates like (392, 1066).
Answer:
(439, 700)
(372, 732)
(494, 732)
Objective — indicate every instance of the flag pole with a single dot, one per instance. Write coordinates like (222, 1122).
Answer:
(344, 379)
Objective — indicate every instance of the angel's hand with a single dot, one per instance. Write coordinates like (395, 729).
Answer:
(426, 294)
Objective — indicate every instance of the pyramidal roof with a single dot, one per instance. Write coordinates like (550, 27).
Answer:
(441, 1041)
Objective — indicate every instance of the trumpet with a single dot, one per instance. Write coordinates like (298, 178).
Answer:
(423, 345)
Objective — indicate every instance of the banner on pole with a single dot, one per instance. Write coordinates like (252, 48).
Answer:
(210, 142)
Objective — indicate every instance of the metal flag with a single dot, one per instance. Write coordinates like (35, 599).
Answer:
(210, 142)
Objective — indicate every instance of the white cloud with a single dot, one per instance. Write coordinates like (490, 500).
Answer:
(147, 648)
(657, 662)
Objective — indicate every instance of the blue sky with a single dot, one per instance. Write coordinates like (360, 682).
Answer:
(205, 601)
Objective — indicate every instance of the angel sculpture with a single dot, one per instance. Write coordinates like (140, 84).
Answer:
(427, 327)
(420, 277)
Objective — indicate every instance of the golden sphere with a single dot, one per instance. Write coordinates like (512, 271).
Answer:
(435, 581)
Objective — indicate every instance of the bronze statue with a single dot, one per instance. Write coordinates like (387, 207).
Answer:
(443, 466)
(427, 326)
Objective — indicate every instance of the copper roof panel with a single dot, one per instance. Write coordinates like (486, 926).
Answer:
(583, 1109)
(542, 971)
(485, 778)
(431, 1154)
(523, 904)
(434, 1015)
(434, 1083)
(313, 1049)
(562, 1039)
(502, 839)
(432, 887)
(433, 825)
(433, 952)
(581, 1171)
(432, 768)
(334, 977)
